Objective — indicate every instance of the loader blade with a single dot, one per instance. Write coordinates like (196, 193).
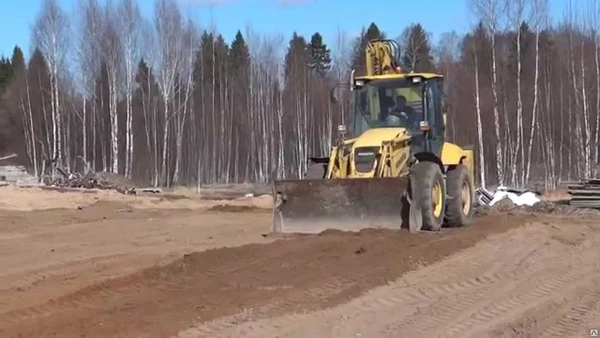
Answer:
(312, 206)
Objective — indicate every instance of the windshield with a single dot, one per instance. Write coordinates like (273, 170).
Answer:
(386, 103)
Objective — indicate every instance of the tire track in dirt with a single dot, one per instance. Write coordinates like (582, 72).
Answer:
(232, 327)
(448, 280)
(504, 304)
(293, 275)
(573, 320)
(505, 277)
(454, 302)
(566, 271)
(571, 315)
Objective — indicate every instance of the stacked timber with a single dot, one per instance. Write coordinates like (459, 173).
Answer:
(15, 174)
(585, 194)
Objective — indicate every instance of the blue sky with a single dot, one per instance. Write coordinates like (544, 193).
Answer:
(278, 16)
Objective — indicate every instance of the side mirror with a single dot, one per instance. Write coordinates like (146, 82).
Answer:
(333, 93)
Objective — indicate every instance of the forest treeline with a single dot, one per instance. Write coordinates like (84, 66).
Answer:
(164, 102)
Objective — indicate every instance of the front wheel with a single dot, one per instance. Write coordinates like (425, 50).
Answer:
(459, 208)
(428, 195)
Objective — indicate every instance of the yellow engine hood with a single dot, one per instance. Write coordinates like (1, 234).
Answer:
(374, 137)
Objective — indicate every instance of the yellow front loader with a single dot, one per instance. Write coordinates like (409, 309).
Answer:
(391, 166)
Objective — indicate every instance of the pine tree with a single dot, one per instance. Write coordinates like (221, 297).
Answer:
(5, 73)
(11, 107)
(360, 46)
(298, 57)
(477, 42)
(5, 124)
(18, 60)
(18, 73)
(239, 53)
(320, 56)
(417, 50)
(527, 42)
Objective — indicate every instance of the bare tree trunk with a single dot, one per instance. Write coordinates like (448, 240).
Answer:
(499, 157)
(520, 150)
(114, 122)
(479, 124)
(535, 106)
(596, 144)
(32, 129)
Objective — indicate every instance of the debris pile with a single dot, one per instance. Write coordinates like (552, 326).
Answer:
(15, 174)
(504, 195)
(585, 194)
(60, 177)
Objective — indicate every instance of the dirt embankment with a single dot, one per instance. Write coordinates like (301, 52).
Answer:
(290, 275)
(26, 199)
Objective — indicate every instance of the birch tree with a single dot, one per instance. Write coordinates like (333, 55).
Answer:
(595, 13)
(539, 16)
(129, 17)
(89, 35)
(490, 12)
(516, 13)
(189, 53)
(50, 37)
(169, 28)
(112, 55)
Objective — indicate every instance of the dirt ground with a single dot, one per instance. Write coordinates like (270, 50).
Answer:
(103, 264)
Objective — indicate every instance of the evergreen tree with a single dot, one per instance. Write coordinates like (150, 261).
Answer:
(5, 73)
(11, 107)
(239, 70)
(320, 56)
(417, 50)
(18, 60)
(527, 43)
(17, 82)
(360, 46)
(480, 43)
(147, 85)
(239, 53)
(297, 58)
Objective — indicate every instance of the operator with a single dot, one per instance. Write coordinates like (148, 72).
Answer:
(402, 109)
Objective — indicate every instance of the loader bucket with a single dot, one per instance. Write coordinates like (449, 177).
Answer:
(312, 206)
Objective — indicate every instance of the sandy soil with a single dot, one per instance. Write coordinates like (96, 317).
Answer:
(25, 199)
(125, 266)
(541, 280)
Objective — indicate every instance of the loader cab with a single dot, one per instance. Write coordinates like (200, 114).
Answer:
(405, 101)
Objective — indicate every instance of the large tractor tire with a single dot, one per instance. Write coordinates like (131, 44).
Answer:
(315, 171)
(459, 207)
(428, 195)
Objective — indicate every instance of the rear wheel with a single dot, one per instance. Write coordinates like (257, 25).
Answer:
(459, 208)
(429, 194)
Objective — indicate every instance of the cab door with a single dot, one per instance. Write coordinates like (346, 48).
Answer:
(432, 108)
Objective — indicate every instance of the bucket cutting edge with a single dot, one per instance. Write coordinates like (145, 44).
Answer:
(313, 206)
